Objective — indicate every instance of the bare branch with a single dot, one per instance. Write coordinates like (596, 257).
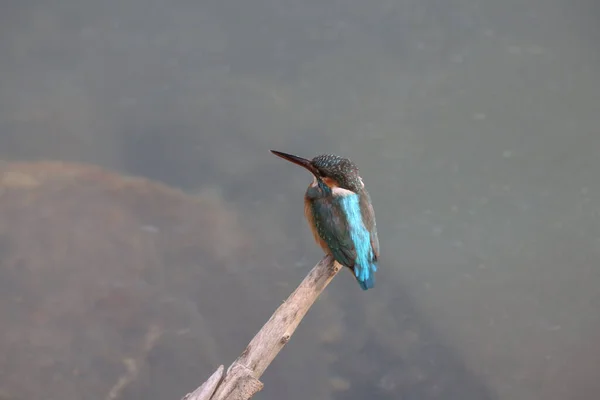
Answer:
(241, 381)
(207, 389)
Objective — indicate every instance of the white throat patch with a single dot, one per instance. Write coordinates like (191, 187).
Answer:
(338, 191)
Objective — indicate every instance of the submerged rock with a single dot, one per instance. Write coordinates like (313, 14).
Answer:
(100, 274)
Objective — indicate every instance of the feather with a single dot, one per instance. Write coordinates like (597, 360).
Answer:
(368, 214)
(337, 223)
(365, 264)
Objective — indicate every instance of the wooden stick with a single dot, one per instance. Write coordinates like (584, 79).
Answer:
(206, 390)
(241, 381)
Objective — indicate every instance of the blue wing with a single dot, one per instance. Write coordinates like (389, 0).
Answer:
(332, 227)
(339, 223)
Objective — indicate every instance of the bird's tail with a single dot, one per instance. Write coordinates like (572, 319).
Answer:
(365, 275)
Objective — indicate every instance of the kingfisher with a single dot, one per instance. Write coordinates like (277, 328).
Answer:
(340, 214)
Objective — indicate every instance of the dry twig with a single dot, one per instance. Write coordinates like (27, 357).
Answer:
(241, 381)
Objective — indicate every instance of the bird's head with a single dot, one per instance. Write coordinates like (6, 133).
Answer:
(332, 170)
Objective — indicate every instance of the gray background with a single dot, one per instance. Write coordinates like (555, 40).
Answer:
(474, 122)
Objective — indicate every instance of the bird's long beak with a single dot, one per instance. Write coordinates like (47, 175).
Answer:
(303, 162)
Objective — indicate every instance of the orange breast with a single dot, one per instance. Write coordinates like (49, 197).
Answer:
(311, 223)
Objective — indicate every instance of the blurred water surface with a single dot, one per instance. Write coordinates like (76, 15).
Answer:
(474, 123)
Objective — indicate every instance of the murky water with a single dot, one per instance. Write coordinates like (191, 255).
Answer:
(475, 125)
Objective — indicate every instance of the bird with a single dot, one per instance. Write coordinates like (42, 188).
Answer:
(340, 214)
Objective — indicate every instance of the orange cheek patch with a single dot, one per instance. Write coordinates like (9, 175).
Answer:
(330, 182)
